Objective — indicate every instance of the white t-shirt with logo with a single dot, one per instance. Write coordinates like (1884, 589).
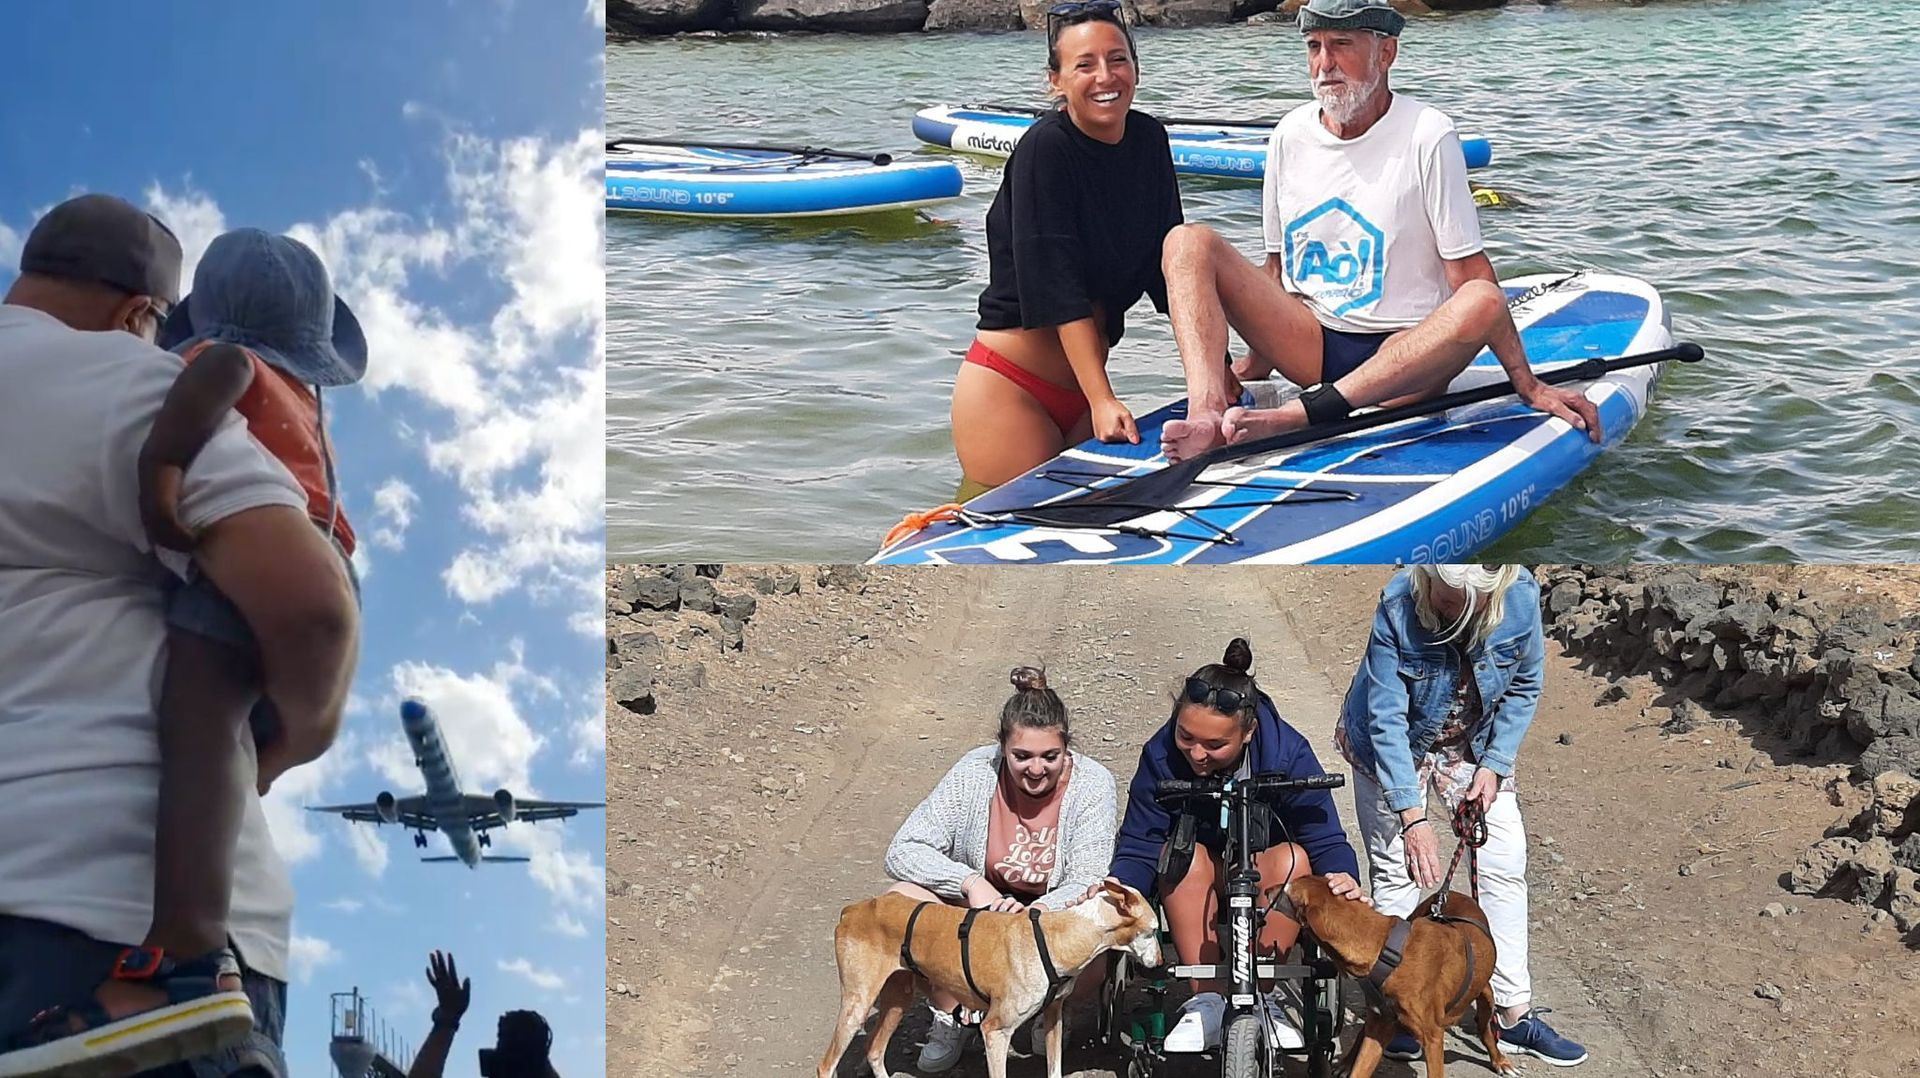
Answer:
(81, 635)
(1362, 225)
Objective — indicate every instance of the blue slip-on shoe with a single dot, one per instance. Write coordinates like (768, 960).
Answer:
(1403, 1047)
(1533, 1036)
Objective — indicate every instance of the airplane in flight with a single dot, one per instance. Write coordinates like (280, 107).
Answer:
(464, 818)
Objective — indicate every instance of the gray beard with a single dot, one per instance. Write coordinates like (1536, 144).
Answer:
(1344, 104)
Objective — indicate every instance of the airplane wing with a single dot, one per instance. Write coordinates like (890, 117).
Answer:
(409, 812)
(483, 814)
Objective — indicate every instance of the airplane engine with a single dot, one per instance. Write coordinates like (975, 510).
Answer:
(504, 802)
(387, 807)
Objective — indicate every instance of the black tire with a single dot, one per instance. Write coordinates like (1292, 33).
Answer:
(1243, 1047)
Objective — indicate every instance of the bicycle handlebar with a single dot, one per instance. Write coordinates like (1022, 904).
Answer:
(1168, 789)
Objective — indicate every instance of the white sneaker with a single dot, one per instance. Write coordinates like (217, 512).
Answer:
(1285, 1037)
(1199, 1026)
(946, 1041)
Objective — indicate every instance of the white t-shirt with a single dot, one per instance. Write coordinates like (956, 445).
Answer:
(81, 635)
(1362, 224)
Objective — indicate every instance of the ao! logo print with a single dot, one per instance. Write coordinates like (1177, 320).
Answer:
(1336, 255)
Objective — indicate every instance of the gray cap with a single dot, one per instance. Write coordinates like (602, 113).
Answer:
(106, 240)
(1375, 15)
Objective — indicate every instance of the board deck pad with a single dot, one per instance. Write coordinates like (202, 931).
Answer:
(1433, 489)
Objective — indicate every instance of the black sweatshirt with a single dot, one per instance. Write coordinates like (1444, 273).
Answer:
(1078, 221)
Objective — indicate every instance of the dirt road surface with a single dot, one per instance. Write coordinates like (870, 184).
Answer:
(748, 810)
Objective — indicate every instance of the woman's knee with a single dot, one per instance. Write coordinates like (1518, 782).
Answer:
(1279, 865)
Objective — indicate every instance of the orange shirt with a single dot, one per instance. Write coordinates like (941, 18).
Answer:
(284, 417)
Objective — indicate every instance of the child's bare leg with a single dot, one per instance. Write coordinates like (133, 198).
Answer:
(206, 774)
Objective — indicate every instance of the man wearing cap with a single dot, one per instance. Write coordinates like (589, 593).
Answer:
(81, 629)
(1376, 288)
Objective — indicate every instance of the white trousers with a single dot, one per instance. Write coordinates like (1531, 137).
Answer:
(1503, 878)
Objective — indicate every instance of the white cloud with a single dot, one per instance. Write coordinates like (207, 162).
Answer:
(307, 954)
(590, 736)
(492, 746)
(362, 562)
(570, 876)
(568, 925)
(346, 905)
(369, 848)
(544, 980)
(10, 243)
(393, 506)
(291, 824)
(193, 217)
(597, 11)
(407, 997)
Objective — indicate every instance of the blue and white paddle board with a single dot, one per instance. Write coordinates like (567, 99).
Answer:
(715, 182)
(1431, 489)
(1226, 151)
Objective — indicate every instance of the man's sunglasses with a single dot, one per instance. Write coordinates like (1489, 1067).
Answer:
(1225, 701)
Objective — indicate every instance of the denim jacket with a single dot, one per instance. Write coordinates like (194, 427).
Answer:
(1406, 683)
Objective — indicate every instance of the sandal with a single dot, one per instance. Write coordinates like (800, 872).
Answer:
(198, 1018)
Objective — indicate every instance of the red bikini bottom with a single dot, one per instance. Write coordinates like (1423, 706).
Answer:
(1066, 406)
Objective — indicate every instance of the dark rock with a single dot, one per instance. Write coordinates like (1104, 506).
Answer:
(1682, 598)
(640, 18)
(683, 678)
(974, 15)
(733, 633)
(711, 572)
(1683, 717)
(1856, 629)
(649, 592)
(845, 577)
(632, 688)
(763, 584)
(851, 16)
(680, 574)
(1864, 877)
(786, 583)
(618, 607)
(1740, 622)
(1185, 12)
(698, 595)
(1900, 753)
(1814, 871)
(1908, 853)
(1611, 694)
(737, 607)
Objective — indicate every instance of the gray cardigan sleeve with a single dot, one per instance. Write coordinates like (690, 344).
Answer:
(924, 850)
(1090, 834)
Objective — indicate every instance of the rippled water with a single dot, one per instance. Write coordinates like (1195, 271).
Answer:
(780, 392)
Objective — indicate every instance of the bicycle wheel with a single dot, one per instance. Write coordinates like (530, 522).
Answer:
(1243, 1048)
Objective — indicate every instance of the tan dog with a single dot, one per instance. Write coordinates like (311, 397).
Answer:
(1002, 954)
(1434, 971)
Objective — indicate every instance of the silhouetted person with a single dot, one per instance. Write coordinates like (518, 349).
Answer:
(521, 1046)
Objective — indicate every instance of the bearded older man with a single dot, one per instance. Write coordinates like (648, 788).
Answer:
(1376, 288)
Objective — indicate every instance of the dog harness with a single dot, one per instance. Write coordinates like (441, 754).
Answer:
(1391, 954)
(1055, 979)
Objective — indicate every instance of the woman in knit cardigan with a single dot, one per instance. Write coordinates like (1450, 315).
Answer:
(1022, 822)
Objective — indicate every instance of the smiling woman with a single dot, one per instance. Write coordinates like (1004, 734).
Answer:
(1073, 241)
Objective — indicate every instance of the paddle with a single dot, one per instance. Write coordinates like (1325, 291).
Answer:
(614, 145)
(1122, 501)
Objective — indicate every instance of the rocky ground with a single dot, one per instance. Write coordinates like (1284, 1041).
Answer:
(761, 758)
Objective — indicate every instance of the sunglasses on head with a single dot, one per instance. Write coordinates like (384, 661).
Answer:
(1220, 699)
(1077, 11)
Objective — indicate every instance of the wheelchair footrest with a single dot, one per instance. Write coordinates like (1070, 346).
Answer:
(1265, 970)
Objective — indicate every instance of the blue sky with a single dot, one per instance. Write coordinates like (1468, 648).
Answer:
(441, 156)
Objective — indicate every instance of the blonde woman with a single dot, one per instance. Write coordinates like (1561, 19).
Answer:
(1439, 706)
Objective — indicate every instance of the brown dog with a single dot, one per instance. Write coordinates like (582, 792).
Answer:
(1435, 971)
(1003, 956)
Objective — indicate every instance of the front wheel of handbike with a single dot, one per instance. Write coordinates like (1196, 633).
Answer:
(1242, 1049)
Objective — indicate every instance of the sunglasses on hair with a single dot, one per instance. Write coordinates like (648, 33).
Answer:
(1220, 699)
(1074, 11)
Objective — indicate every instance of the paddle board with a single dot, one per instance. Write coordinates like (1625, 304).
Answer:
(1433, 489)
(715, 182)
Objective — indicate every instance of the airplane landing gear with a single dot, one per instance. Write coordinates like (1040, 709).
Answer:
(420, 839)
(486, 841)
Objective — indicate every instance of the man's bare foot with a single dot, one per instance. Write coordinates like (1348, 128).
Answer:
(1184, 439)
(1245, 424)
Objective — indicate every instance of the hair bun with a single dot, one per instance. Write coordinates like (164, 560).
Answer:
(1239, 655)
(1028, 678)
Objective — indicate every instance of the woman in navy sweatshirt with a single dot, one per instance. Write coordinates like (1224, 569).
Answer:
(1222, 724)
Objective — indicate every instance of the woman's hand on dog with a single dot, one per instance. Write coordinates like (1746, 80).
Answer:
(1346, 887)
(982, 895)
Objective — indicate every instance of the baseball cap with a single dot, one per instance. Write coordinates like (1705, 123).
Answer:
(106, 240)
(1375, 15)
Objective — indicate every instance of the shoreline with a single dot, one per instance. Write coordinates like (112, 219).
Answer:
(642, 20)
